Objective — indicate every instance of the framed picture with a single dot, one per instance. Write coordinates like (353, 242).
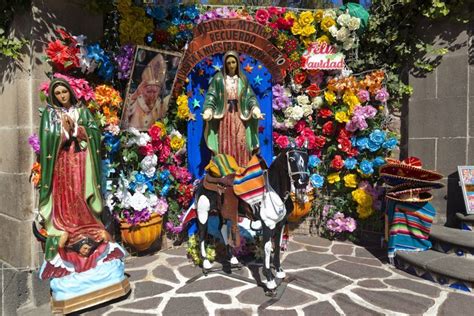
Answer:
(150, 87)
(466, 177)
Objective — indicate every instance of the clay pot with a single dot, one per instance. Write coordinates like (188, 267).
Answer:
(142, 235)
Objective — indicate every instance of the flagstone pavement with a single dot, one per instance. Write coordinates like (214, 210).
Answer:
(323, 278)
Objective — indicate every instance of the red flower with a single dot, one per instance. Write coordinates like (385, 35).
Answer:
(146, 150)
(161, 36)
(284, 24)
(337, 163)
(291, 45)
(164, 154)
(57, 52)
(281, 140)
(262, 16)
(157, 144)
(66, 36)
(320, 141)
(344, 133)
(154, 132)
(299, 77)
(328, 128)
(274, 11)
(313, 90)
(325, 113)
(300, 126)
(345, 144)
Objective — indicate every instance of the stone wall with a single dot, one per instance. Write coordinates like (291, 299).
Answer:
(440, 114)
(20, 255)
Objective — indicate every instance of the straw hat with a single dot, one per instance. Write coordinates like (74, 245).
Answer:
(411, 195)
(394, 180)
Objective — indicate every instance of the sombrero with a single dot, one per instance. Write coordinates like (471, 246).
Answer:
(410, 195)
(394, 180)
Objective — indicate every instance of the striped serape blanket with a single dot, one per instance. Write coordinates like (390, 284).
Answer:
(249, 183)
(222, 165)
(410, 226)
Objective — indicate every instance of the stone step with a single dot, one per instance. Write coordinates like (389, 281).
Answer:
(467, 221)
(453, 241)
(438, 267)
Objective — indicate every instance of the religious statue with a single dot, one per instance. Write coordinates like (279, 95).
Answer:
(145, 104)
(80, 256)
(232, 112)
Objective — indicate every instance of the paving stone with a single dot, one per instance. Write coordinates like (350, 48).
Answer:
(416, 287)
(151, 303)
(139, 262)
(177, 261)
(320, 281)
(188, 271)
(373, 284)
(457, 304)
(293, 246)
(370, 252)
(216, 283)
(149, 288)
(274, 312)
(342, 249)
(357, 271)
(245, 272)
(97, 311)
(126, 313)
(219, 298)
(316, 249)
(351, 308)
(289, 299)
(234, 312)
(185, 306)
(313, 241)
(303, 259)
(165, 273)
(180, 251)
(396, 301)
(369, 261)
(403, 273)
(136, 275)
(323, 308)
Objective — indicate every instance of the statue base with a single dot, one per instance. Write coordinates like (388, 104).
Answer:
(90, 299)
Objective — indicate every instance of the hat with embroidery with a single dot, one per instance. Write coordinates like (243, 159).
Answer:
(409, 171)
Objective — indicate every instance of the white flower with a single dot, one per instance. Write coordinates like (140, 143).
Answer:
(141, 188)
(148, 165)
(344, 19)
(333, 30)
(346, 72)
(329, 13)
(297, 113)
(124, 197)
(290, 123)
(342, 34)
(317, 102)
(302, 99)
(176, 133)
(348, 43)
(143, 139)
(353, 24)
(307, 109)
(152, 201)
(138, 201)
(114, 129)
(109, 201)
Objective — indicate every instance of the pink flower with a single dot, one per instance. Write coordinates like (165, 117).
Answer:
(262, 16)
(161, 207)
(281, 140)
(33, 140)
(363, 95)
(382, 95)
(350, 224)
(300, 126)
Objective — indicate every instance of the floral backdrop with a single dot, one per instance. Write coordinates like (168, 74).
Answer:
(342, 115)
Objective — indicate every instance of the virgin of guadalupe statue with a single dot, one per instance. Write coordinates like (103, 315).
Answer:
(232, 112)
(70, 201)
(146, 104)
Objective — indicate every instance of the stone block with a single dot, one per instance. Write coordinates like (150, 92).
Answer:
(8, 104)
(39, 290)
(452, 76)
(27, 101)
(442, 117)
(471, 81)
(425, 149)
(451, 153)
(15, 290)
(471, 115)
(17, 154)
(424, 88)
(17, 196)
(16, 245)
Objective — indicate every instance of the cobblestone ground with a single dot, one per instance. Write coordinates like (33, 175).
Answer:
(323, 278)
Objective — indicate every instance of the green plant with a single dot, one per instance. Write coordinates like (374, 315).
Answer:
(11, 46)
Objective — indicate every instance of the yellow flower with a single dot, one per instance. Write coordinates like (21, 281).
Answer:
(308, 30)
(318, 15)
(324, 39)
(173, 30)
(351, 100)
(341, 117)
(290, 15)
(282, 38)
(306, 18)
(334, 177)
(295, 56)
(350, 180)
(326, 23)
(362, 197)
(182, 100)
(330, 97)
(176, 143)
(307, 40)
(296, 29)
(364, 211)
(162, 127)
(183, 112)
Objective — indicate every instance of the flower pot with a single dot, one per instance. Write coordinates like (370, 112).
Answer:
(142, 235)
(300, 209)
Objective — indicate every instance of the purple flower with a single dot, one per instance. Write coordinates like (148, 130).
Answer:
(350, 224)
(382, 95)
(173, 229)
(278, 90)
(363, 95)
(33, 140)
(124, 61)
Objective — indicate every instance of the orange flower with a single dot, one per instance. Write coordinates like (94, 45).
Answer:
(35, 176)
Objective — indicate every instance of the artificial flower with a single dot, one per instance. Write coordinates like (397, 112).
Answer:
(350, 180)
(333, 178)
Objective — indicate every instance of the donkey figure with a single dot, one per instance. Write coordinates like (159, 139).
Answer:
(287, 173)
